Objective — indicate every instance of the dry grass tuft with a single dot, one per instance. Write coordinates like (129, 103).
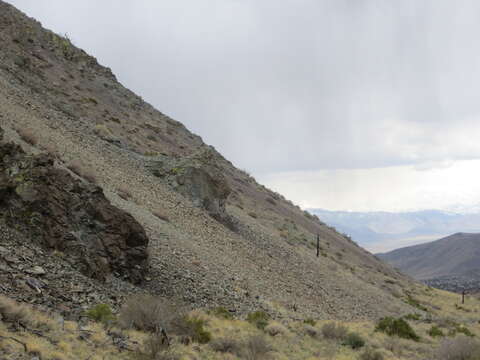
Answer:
(275, 328)
(12, 312)
(147, 313)
(371, 354)
(80, 169)
(124, 193)
(156, 347)
(310, 330)
(334, 331)
(226, 345)
(459, 348)
(256, 348)
(159, 214)
(28, 135)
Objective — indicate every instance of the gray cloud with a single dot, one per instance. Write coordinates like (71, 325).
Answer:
(296, 85)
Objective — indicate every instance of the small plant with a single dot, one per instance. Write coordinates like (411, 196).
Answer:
(415, 303)
(255, 348)
(275, 328)
(150, 153)
(259, 319)
(412, 316)
(458, 307)
(397, 327)
(225, 345)
(371, 354)
(435, 331)
(354, 340)
(28, 135)
(193, 329)
(334, 331)
(221, 312)
(83, 171)
(147, 313)
(460, 329)
(310, 330)
(156, 348)
(310, 321)
(12, 312)
(101, 313)
(175, 171)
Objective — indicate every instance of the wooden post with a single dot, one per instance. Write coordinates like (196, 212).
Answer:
(318, 245)
(463, 296)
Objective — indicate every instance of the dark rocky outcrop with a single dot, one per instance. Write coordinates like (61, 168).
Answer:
(62, 213)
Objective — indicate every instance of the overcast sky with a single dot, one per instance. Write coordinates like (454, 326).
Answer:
(337, 104)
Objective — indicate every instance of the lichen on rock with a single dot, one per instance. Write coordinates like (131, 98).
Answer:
(197, 177)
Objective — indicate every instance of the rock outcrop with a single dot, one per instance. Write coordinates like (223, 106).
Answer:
(62, 213)
(197, 177)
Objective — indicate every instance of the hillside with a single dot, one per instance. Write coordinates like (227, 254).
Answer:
(382, 231)
(124, 236)
(216, 236)
(452, 256)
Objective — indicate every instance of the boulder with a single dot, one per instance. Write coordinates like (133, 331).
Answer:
(197, 177)
(69, 215)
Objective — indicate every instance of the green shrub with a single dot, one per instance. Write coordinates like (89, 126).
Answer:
(101, 313)
(354, 340)
(259, 319)
(193, 329)
(415, 303)
(310, 321)
(435, 331)
(458, 307)
(415, 317)
(460, 329)
(396, 327)
(221, 312)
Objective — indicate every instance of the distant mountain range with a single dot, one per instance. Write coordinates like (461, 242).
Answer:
(451, 263)
(384, 231)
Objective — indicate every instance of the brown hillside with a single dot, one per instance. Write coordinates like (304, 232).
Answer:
(454, 255)
(217, 237)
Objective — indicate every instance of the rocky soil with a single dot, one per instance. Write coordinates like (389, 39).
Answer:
(29, 273)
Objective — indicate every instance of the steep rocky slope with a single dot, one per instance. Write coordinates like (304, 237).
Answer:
(217, 237)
